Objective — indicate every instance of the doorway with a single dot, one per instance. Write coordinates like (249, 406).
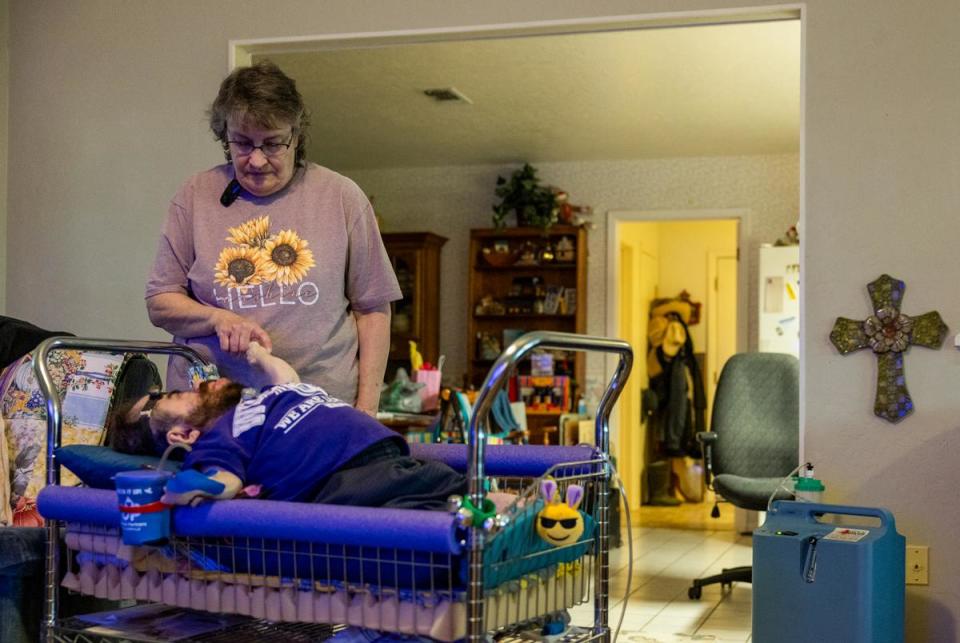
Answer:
(681, 266)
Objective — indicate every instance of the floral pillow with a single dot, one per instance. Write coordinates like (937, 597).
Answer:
(85, 381)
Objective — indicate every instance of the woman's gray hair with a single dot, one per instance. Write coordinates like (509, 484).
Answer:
(263, 96)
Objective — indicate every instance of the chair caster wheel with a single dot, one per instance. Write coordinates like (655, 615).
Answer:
(694, 593)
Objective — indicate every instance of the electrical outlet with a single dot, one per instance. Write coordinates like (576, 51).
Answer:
(918, 565)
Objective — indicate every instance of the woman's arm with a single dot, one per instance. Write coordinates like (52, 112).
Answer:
(185, 317)
(373, 330)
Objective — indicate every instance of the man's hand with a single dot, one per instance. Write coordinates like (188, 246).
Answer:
(276, 370)
(257, 354)
(190, 487)
(236, 332)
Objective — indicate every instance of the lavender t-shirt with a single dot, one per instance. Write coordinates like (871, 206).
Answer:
(297, 262)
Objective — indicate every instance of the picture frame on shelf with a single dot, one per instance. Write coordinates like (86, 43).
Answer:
(541, 363)
(551, 299)
(569, 301)
(488, 346)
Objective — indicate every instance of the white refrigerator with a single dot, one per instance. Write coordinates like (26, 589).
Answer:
(779, 300)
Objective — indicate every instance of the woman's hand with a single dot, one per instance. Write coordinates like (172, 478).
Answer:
(236, 332)
(185, 317)
(368, 406)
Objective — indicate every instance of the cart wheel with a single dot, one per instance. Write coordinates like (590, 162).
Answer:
(694, 593)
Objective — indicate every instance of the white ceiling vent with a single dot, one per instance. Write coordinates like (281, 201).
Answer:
(447, 94)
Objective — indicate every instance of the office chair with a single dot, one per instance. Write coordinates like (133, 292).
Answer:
(754, 440)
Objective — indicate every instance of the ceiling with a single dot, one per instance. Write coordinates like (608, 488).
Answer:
(716, 90)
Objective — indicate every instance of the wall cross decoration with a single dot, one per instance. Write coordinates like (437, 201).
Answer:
(889, 333)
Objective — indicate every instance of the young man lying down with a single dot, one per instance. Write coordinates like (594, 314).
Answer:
(292, 439)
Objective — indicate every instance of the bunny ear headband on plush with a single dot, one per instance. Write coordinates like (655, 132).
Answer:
(551, 493)
(548, 489)
(574, 496)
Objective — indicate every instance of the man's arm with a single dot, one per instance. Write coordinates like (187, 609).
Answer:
(190, 487)
(276, 370)
(185, 317)
(373, 329)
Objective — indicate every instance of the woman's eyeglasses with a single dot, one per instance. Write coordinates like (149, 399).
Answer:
(246, 148)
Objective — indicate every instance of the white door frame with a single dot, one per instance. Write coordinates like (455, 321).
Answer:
(240, 51)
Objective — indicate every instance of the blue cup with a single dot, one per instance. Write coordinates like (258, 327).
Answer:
(144, 519)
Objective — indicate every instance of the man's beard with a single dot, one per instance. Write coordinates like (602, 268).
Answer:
(214, 403)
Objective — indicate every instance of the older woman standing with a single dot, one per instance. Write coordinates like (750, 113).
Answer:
(270, 248)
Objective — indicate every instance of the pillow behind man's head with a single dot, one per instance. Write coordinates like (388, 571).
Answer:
(96, 466)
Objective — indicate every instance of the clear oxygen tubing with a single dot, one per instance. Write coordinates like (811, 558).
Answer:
(170, 449)
(780, 486)
(626, 510)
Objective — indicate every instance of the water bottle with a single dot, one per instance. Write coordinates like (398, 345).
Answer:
(807, 488)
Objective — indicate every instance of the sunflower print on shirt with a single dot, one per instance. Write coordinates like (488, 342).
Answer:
(259, 256)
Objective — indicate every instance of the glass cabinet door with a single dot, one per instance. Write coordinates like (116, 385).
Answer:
(415, 257)
(405, 322)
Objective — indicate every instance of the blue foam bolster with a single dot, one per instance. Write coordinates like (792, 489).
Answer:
(80, 504)
(415, 529)
(505, 459)
(427, 531)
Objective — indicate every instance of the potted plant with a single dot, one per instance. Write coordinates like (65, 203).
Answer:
(534, 204)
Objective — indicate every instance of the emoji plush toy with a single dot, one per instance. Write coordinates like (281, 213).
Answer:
(559, 522)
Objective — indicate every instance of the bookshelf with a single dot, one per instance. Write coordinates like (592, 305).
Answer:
(521, 280)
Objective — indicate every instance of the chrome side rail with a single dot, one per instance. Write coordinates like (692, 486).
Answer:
(54, 431)
(476, 443)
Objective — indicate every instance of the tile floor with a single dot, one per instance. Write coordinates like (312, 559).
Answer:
(665, 559)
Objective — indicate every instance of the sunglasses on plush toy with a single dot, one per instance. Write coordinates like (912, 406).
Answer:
(566, 523)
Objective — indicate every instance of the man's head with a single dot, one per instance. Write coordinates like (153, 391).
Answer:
(155, 421)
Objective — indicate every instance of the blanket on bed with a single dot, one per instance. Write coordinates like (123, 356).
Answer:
(85, 382)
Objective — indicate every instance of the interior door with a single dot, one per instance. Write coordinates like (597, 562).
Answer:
(638, 279)
(721, 319)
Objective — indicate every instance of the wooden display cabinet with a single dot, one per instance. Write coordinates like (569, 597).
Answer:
(527, 285)
(415, 257)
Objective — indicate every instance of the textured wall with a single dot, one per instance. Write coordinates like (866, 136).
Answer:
(4, 156)
(450, 201)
